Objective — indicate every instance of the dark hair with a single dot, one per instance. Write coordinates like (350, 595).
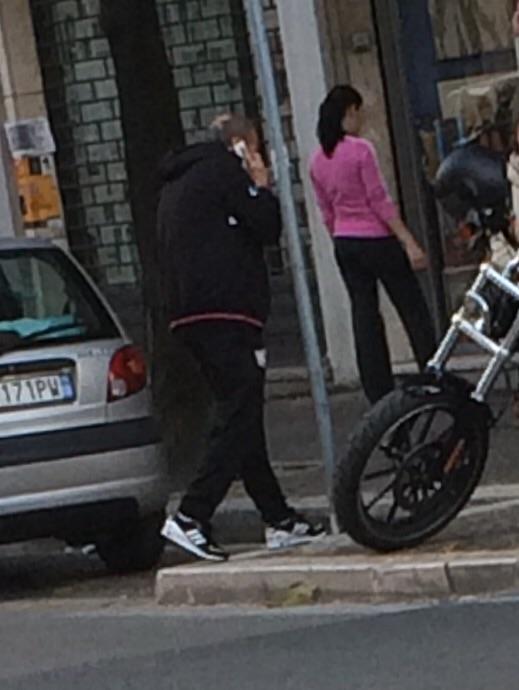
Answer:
(228, 126)
(331, 114)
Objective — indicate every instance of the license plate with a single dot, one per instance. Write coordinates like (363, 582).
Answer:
(36, 390)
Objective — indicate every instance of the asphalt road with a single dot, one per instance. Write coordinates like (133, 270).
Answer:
(88, 644)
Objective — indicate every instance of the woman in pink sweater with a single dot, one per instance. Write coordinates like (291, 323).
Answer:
(372, 243)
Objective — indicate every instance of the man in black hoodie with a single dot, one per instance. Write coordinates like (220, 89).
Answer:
(216, 215)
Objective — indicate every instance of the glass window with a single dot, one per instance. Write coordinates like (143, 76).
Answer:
(462, 79)
(44, 297)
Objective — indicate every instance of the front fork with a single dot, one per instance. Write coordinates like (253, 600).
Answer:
(500, 352)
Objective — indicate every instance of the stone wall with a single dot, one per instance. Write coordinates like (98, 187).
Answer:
(83, 106)
(203, 39)
(276, 47)
(284, 321)
(207, 44)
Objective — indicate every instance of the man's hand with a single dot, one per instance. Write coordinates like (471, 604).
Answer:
(257, 169)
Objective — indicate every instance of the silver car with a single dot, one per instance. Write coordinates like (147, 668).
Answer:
(80, 457)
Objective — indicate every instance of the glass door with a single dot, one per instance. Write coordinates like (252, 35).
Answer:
(450, 71)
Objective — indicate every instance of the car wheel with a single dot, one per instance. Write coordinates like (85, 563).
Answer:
(134, 550)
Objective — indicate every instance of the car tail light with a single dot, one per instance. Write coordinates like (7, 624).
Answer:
(127, 374)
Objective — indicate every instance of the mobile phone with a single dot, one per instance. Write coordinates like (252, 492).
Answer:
(240, 149)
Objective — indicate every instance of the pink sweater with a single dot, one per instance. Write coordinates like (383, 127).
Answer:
(351, 192)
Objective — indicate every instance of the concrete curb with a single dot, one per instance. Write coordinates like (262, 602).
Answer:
(292, 581)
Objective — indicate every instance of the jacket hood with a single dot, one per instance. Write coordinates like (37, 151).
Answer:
(176, 163)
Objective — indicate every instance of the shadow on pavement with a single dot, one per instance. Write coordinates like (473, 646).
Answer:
(41, 571)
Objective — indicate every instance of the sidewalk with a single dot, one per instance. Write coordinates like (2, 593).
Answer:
(477, 555)
(293, 437)
(295, 453)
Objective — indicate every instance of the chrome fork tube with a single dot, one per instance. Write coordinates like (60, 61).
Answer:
(444, 351)
(495, 365)
(500, 352)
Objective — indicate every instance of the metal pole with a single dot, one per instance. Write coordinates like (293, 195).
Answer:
(302, 291)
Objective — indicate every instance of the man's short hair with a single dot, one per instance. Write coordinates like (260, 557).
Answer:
(231, 126)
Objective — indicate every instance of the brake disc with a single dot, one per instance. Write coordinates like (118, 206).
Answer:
(421, 472)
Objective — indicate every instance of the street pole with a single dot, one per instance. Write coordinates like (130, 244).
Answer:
(295, 248)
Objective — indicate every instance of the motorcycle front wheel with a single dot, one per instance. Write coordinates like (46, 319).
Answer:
(410, 467)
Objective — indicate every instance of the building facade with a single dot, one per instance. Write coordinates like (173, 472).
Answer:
(430, 70)
(433, 72)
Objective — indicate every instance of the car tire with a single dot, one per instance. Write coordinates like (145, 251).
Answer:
(135, 550)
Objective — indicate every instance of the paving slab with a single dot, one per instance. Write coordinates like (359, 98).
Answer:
(483, 575)
(416, 579)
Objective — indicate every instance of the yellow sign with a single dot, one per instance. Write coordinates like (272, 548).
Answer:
(40, 199)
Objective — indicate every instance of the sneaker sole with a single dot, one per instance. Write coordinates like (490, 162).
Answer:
(294, 541)
(172, 532)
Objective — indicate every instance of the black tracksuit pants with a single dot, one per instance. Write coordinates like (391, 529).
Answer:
(227, 354)
(363, 262)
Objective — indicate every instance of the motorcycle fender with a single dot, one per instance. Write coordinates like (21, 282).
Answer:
(433, 383)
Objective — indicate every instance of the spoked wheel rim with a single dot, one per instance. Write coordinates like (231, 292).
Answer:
(418, 473)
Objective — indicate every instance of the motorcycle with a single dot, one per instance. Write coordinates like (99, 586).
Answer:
(415, 459)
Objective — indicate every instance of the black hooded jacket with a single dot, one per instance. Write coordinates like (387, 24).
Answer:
(213, 225)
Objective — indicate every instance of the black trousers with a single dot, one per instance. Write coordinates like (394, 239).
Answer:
(228, 355)
(364, 262)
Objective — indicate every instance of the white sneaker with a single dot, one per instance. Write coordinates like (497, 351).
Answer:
(189, 535)
(294, 531)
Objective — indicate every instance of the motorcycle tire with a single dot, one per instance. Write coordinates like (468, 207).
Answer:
(386, 415)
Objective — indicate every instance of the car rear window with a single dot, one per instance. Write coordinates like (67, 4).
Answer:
(43, 297)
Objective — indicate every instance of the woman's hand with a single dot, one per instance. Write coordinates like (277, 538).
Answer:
(416, 255)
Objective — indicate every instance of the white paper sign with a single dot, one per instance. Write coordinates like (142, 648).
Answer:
(30, 137)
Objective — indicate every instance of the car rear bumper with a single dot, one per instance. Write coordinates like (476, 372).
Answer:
(69, 443)
(87, 465)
